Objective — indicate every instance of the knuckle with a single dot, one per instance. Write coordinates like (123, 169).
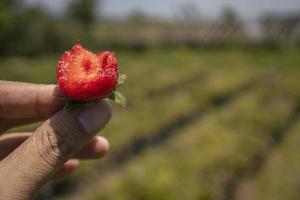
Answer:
(47, 147)
(55, 145)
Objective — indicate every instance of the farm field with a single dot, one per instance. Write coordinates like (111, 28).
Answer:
(200, 124)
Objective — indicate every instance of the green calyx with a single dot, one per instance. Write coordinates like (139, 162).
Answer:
(116, 96)
(122, 79)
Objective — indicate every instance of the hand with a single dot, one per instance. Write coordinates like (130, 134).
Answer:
(30, 160)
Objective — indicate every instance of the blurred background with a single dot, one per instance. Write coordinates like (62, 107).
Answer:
(213, 93)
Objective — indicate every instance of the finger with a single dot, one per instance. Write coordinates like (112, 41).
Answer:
(36, 161)
(6, 124)
(25, 100)
(68, 168)
(10, 142)
(97, 147)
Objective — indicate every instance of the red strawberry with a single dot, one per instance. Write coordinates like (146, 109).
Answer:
(83, 75)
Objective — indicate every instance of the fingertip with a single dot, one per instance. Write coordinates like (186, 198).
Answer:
(66, 169)
(49, 101)
(105, 108)
(95, 117)
(101, 146)
(70, 166)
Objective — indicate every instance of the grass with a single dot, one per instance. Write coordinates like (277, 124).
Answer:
(204, 156)
(200, 161)
(279, 179)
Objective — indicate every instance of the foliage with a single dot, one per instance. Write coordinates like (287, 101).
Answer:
(82, 11)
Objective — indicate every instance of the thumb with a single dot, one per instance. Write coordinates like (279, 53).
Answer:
(33, 163)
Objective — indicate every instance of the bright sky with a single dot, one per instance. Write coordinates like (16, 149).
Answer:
(169, 8)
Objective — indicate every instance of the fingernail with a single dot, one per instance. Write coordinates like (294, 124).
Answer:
(95, 117)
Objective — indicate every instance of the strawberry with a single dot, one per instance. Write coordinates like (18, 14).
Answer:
(85, 76)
